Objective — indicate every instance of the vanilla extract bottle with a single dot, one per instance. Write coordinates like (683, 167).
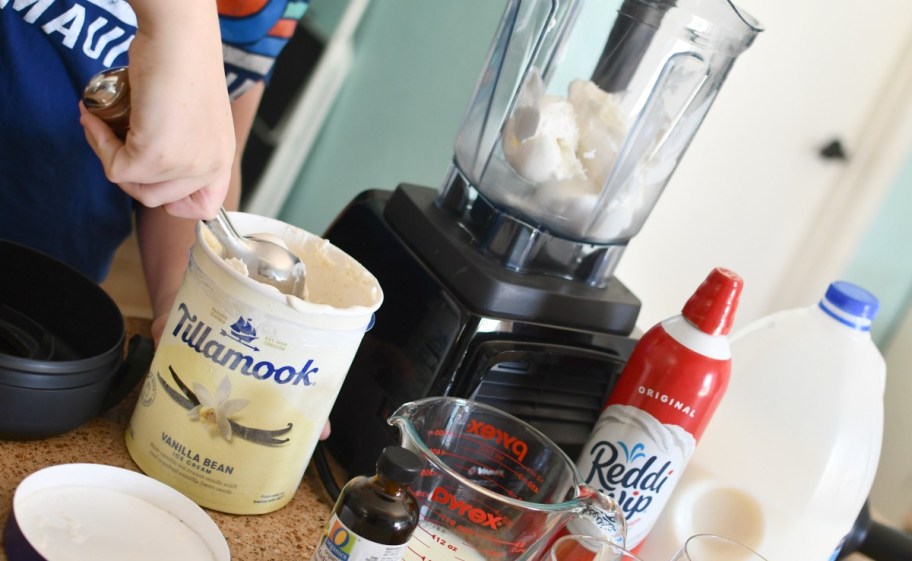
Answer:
(374, 517)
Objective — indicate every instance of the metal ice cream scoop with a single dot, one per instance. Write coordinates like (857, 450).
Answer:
(107, 95)
(266, 261)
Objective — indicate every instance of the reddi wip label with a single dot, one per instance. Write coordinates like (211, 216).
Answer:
(636, 460)
(237, 394)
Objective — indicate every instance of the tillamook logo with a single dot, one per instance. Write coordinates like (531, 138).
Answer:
(518, 447)
(199, 337)
(632, 480)
(471, 513)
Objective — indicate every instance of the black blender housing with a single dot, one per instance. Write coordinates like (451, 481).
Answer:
(455, 322)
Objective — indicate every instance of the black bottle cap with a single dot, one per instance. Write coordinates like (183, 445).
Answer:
(398, 464)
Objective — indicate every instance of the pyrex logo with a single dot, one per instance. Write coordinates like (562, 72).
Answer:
(471, 513)
(517, 447)
(632, 480)
(198, 336)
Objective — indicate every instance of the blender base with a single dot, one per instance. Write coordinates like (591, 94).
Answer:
(454, 323)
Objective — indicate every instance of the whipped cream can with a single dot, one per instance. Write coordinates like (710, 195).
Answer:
(244, 377)
(662, 403)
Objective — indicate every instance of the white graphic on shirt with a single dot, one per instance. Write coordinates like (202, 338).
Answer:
(94, 35)
(120, 9)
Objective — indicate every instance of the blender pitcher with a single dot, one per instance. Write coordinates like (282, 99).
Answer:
(557, 165)
(491, 486)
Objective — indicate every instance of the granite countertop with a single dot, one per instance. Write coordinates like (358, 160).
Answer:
(289, 533)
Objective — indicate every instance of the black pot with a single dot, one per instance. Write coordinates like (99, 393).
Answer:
(61, 347)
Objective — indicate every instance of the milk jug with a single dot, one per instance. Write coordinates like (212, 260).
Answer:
(791, 453)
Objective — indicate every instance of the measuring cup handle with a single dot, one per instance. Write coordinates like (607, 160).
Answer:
(600, 515)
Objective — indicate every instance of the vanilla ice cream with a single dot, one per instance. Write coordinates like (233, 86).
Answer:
(330, 278)
(79, 522)
(565, 149)
(99, 512)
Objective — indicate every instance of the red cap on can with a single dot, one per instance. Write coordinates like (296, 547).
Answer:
(712, 307)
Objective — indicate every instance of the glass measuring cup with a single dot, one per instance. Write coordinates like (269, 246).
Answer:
(492, 487)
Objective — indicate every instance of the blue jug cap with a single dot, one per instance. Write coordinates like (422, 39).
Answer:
(850, 304)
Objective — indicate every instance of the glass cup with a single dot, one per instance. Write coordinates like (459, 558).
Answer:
(588, 548)
(710, 547)
(493, 487)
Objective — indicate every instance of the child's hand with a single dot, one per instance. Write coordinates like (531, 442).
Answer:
(180, 147)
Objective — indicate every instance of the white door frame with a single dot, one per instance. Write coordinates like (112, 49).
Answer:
(883, 147)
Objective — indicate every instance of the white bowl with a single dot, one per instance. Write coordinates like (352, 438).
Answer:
(91, 511)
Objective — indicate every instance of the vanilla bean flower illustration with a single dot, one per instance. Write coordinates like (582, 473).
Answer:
(208, 411)
(216, 411)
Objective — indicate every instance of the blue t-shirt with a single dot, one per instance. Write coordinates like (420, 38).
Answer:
(53, 192)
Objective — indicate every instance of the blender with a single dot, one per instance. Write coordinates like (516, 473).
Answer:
(499, 284)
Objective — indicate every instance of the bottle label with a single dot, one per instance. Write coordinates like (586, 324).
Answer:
(657, 411)
(636, 460)
(339, 543)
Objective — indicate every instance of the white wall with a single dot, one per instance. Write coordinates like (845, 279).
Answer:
(892, 492)
(883, 264)
(395, 118)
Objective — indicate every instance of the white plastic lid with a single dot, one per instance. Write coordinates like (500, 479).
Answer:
(91, 511)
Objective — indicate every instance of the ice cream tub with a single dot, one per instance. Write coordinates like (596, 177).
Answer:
(73, 512)
(244, 376)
